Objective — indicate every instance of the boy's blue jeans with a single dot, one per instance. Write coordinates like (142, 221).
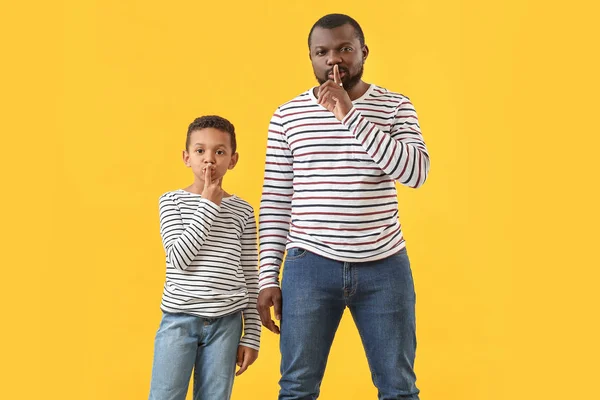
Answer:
(381, 299)
(208, 346)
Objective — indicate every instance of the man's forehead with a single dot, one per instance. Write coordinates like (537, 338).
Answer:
(326, 37)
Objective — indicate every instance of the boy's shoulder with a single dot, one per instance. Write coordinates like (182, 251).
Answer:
(171, 195)
(178, 197)
(239, 203)
(238, 207)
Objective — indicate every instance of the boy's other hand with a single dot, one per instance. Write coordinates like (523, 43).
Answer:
(212, 188)
(245, 358)
(267, 298)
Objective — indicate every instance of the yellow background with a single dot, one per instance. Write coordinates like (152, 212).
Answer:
(96, 98)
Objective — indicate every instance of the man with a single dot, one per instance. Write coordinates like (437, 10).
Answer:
(329, 199)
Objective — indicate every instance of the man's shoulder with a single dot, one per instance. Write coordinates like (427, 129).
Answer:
(303, 98)
(380, 94)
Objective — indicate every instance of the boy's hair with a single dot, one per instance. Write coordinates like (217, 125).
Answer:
(212, 121)
(331, 21)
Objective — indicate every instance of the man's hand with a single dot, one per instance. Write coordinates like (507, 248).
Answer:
(267, 298)
(212, 189)
(334, 97)
(245, 358)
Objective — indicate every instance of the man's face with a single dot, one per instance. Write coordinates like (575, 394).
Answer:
(340, 46)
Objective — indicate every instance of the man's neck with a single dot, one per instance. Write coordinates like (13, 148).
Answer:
(358, 90)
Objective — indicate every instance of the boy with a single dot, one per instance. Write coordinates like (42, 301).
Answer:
(211, 284)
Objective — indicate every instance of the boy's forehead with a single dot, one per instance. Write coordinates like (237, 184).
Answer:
(212, 135)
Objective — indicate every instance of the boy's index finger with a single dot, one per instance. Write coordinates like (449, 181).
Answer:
(336, 75)
(207, 175)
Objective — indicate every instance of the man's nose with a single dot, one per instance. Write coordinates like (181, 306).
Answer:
(333, 57)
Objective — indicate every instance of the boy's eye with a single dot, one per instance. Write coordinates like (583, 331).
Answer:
(220, 152)
(199, 151)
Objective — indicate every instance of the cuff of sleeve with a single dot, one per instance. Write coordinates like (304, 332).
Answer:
(268, 277)
(271, 283)
(248, 343)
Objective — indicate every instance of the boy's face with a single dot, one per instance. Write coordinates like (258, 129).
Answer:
(210, 148)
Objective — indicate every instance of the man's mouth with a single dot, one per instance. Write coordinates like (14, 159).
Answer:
(343, 73)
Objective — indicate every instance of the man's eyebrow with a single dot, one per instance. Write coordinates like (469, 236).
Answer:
(319, 47)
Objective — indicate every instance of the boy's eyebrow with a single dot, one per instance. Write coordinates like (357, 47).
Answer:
(218, 145)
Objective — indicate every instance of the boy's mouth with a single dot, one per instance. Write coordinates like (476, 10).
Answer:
(209, 165)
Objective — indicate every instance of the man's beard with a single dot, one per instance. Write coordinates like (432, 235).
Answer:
(348, 81)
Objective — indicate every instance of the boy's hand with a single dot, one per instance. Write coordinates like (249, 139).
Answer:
(267, 298)
(245, 358)
(212, 189)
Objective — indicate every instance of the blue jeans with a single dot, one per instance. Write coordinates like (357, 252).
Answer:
(381, 299)
(206, 345)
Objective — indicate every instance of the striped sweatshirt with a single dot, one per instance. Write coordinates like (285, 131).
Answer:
(211, 259)
(329, 185)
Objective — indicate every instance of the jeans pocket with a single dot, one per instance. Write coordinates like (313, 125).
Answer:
(295, 253)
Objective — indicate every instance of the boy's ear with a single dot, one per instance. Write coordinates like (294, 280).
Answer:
(234, 160)
(186, 158)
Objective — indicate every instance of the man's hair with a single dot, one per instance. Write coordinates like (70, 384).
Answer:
(212, 121)
(331, 21)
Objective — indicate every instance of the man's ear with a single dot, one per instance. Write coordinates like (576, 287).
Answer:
(365, 51)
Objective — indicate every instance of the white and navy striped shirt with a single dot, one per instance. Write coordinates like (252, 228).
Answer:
(329, 184)
(211, 259)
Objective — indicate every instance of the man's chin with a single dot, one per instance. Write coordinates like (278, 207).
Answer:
(322, 81)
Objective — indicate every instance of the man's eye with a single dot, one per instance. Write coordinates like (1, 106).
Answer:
(320, 53)
(346, 49)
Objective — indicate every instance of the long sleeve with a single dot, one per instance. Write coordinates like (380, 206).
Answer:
(183, 244)
(276, 204)
(249, 262)
(402, 154)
